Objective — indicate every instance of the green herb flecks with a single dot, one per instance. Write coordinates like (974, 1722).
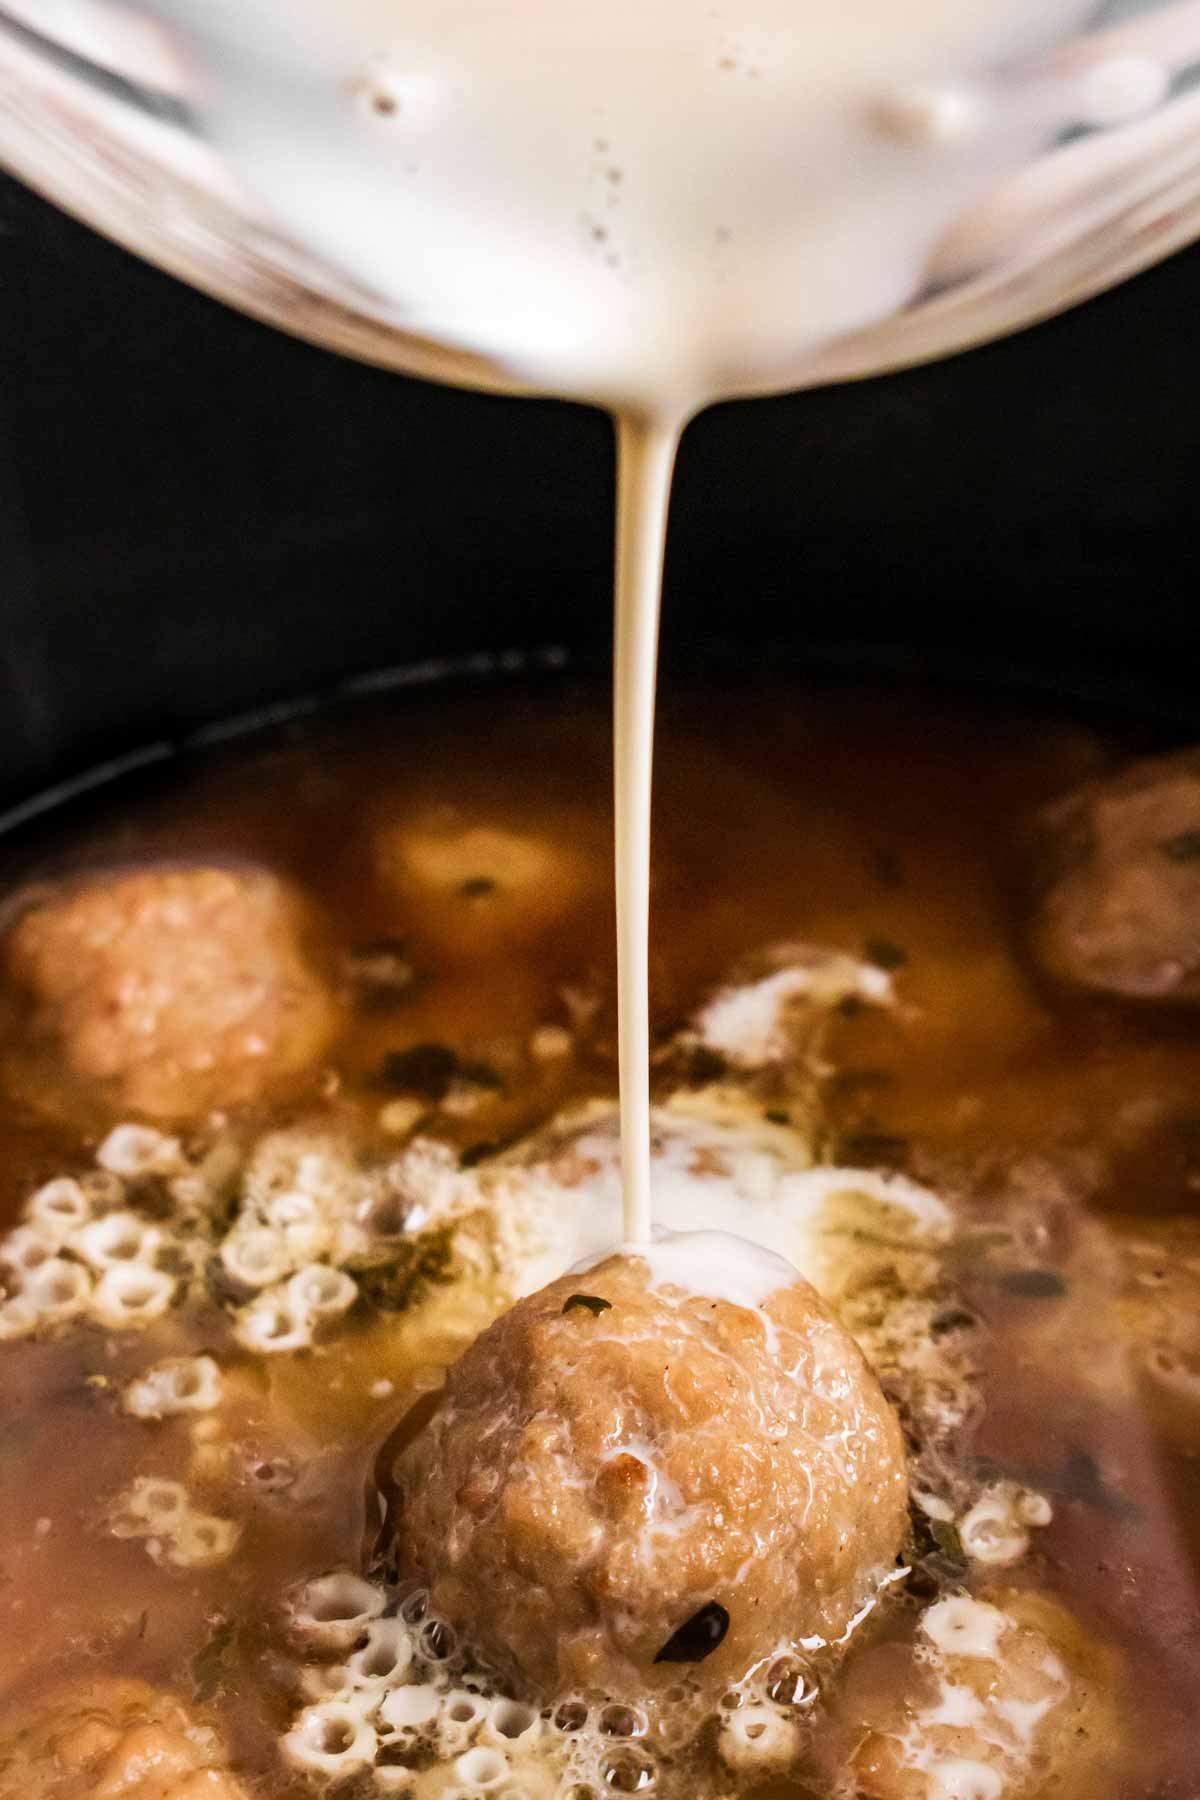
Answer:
(945, 1536)
(938, 1561)
(395, 1285)
(210, 1666)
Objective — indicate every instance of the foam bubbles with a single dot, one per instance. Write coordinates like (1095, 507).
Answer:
(137, 1151)
(334, 1610)
(443, 1725)
(758, 1737)
(995, 1530)
(161, 1513)
(330, 1739)
(179, 1384)
(58, 1209)
(130, 1296)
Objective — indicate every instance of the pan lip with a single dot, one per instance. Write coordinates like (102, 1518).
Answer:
(1099, 688)
(483, 665)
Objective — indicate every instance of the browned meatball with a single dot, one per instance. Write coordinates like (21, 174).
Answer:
(596, 1482)
(1119, 872)
(109, 1738)
(174, 989)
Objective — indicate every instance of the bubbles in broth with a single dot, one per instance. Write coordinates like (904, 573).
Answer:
(236, 1272)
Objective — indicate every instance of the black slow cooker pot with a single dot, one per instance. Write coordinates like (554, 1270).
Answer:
(200, 517)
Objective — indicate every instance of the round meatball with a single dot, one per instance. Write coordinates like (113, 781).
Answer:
(1119, 874)
(172, 989)
(628, 1481)
(106, 1738)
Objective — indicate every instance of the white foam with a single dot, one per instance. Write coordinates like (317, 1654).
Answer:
(714, 1265)
(710, 1265)
(965, 1627)
(708, 1177)
(956, 1706)
(748, 1024)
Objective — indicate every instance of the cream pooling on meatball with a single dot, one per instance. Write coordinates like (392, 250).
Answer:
(619, 1454)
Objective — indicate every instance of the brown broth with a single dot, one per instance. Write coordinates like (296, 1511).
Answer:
(835, 816)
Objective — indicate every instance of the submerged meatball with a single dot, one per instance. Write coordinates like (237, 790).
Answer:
(475, 888)
(101, 1740)
(602, 1483)
(178, 989)
(1120, 877)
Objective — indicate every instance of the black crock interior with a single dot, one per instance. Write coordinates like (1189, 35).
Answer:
(199, 516)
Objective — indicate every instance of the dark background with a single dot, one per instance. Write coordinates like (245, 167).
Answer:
(198, 515)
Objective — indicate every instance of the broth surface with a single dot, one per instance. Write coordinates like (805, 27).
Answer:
(1060, 1131)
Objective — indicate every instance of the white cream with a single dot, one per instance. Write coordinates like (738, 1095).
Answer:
(645, 460)
(646, 202)
(711, 1178)
(710, 1265)
(964, 1627)
(956, 1706)
(748, 1024)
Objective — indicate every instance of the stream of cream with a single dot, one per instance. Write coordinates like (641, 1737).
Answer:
(645, 460)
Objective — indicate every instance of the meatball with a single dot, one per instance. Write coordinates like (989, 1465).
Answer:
(1119, 874)
(475, 888)
(175, 989)
(109, 1738)
(625, 1475)
(1005, 1696)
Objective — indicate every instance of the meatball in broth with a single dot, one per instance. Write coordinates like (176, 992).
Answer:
(667, 1467)
(173, 989)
